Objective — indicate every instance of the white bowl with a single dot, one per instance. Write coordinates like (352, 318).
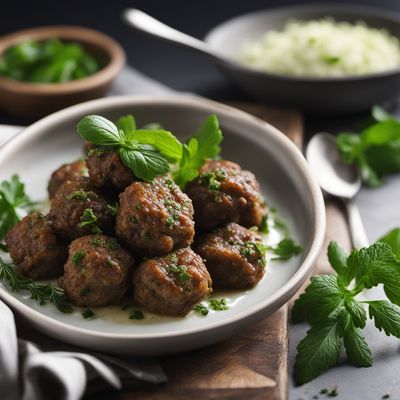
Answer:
(279, 166)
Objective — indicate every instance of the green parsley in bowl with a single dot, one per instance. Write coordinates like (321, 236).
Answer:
(49, 68)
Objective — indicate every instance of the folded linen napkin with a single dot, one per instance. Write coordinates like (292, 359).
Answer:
(51, 369)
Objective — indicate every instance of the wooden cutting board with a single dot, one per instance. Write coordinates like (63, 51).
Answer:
(251, 365)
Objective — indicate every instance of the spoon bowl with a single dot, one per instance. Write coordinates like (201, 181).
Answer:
(333, 175)
(337, 179)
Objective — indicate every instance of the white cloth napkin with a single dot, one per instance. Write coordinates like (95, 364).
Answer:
(53, 370)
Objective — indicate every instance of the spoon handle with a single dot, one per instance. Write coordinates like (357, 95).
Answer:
(357, 230)
(146, 23)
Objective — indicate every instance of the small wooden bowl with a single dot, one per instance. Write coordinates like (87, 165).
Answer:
(26, 99)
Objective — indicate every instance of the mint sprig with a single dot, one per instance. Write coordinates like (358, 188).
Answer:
(335, 314)
(152, 152)
(376, 150)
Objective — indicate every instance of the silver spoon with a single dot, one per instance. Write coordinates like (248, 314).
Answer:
(146, 23)
(337, 179)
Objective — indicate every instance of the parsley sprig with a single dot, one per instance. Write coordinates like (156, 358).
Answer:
(39, 292)
(335, 314)
(376, 150)
(14, 204)
(152, 152)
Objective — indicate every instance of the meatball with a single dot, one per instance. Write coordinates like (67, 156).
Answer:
(35, 248)
(155, 218)
(171, 284)
(97, 272)
(79, 210)
(234, 256)
(107, 171)
(224, 193)
(67, 172)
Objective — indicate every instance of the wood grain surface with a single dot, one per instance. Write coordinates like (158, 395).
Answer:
(251, 365)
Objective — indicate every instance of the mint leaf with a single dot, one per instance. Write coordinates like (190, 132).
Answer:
(356, 311)
(126, 124)
(145, 161)
(338, 259)
(285, 249)
(203, 145)
(163, 141)
(323, 299)
(318, 351)
(380, 114)
(393, 240)
(386, 316)
(357, 349)
(99, 130)
(374, 265)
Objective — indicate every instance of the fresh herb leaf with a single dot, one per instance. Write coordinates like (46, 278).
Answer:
(127, 124)
(357, 349)
(376, 150)
(39, 292)
(285, 249)
(219, 304)
(161, 140)
(264, 227)
(330, 305)
(386, 316)
(89, 219)
(112, 209)
(393, 240)
(99, 130)
(318, 351)
(145, 161)
(88, 314)
(48, 61)
(203, 145)
(380, 114)
(201, 309)
(14, 204)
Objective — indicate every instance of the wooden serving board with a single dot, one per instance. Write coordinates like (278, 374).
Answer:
(251, 365)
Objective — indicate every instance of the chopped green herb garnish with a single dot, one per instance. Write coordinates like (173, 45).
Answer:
(136, 314)
(219, 305)
(180, 271)
(14, 204)
(285, 249)
(201, 309)
(138, 206)
(88, 314)
(337, 317)
(133, 219)
(89, 219)
(96, 242)
(112, 209)
(39, 292)
(112, 244)
(78, 195)
(78, 257)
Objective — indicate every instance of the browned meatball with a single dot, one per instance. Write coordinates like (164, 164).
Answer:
(224, 193)
(155, 218)
(97, 272)
(106, 170)
(79, 210)
(234, 257)
(172, 284)
(67, 172)
(35, 248)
